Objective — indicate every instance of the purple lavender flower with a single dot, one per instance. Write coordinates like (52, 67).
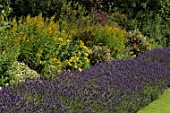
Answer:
(116, 86)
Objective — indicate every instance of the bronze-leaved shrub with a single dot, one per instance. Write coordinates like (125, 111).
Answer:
(136, 43)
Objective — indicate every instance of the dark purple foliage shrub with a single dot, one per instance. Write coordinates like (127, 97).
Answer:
(99, 16)
(117, 86)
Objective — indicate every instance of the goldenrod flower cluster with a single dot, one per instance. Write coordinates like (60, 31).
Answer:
(112, 36)
(44, 40)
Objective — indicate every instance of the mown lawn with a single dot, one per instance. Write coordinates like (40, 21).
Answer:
(161, 105)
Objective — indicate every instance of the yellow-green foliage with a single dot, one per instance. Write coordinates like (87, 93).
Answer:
(74, 55)
(9, 52)
(43, 43)
(38, 46)
(111, 36)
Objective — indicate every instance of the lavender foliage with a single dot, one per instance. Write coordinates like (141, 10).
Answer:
(161, 55)
(110, 87)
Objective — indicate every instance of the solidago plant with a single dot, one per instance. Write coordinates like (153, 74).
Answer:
(111, 36)
(47, 47)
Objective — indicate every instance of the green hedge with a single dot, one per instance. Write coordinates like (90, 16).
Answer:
(34, 7)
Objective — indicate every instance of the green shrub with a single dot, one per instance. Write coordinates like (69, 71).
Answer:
(72, 12)
(47, 47)
(153, 44)
(38, 44)
(100, 54)
(113, 5)
(136, 43)
(19, 72)
(98, 17)
(60, 8)
(8, 55)
(5, 10)
(9, 52)
(74, 55)
(47, 7)
(150, 17)
(111, 36)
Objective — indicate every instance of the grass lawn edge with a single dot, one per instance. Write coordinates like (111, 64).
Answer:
(161, 105)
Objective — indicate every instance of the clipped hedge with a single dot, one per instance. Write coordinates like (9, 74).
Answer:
(117, 86)
(111, 5)
(34, 7)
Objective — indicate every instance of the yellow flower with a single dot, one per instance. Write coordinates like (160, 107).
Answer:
(38, 55)
(75, 66)
(69, 63)
(50, 30)
(81, 43)
(86, 60)
(74, 59)
(64, 43)
(84, 47)
(68, 41)
(71, 60)
(81, 62)
(57, 61)
(79, 69)
(40, 50)
(79, 52)
(86, 54)
(52, 19)
(20, 20)
(60, 39)
(87, 50)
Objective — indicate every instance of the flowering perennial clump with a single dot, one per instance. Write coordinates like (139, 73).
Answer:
(136, 43)
(116, 86)
(46, 45)
(18, 72)
(161, 54)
